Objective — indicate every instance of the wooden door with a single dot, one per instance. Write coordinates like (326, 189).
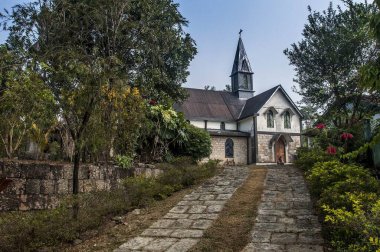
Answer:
(280, 151)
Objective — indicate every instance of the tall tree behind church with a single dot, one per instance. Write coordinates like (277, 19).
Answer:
(336, 44)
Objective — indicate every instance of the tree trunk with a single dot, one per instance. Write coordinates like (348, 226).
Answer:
(76, 182)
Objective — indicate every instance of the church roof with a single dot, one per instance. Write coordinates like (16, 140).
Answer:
(224, 106)
(211, 105)
(241, 62)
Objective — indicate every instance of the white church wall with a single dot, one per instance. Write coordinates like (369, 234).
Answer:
(246, 125)
(231, 126)
(280, 103)
(213, 125)
(199, 124)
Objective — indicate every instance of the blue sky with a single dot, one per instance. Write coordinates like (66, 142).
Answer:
(269, 27)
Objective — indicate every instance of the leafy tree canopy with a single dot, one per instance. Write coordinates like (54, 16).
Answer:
(336, 44)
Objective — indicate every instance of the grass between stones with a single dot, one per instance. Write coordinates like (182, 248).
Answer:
(231, 231)
(111, 235)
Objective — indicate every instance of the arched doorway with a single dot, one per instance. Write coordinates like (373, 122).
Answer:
(280, 150)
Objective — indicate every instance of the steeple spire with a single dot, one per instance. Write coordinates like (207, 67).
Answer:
(241, 75)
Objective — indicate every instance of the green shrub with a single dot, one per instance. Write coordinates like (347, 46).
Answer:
(198, 143)
(30, 231)
(307, 157)
(357, 229)
(348, 198)
(337, 177)
(142, 191)
(124, 161)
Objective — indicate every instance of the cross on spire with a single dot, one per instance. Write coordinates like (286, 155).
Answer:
(240, 32)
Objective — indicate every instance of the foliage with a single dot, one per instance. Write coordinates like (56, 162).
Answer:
(197, 144)
(26, 105)
(334, 175)
(370, 73)
(347, 196)
(82, 48)
(208, 87)
(357, 229)
(29, 231)
(141, 191)
(307, 157)
(124, 161)
(165, 127)
(336, 44)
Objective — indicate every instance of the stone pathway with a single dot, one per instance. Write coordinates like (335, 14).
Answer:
(184, 225)
(285, 220)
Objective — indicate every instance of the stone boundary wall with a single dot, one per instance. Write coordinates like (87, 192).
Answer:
(39, 185)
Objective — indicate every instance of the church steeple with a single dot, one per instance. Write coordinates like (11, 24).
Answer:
(241, 76)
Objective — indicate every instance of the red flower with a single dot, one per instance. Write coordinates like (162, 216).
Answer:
(331, 150)
(345, 136)
(152, 102)
(320, 126)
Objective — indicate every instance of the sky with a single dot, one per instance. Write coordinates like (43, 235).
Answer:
(269, 27)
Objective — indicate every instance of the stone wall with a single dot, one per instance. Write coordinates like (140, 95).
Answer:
(40, 185)
(240, 149)
(292, 148)
(266, 151)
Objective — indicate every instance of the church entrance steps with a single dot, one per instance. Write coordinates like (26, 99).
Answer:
(183, 226)
(286, 220)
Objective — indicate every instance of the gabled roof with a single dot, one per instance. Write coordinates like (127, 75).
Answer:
(254, 104)
(211, 105)
(241, 62)
(224, 106)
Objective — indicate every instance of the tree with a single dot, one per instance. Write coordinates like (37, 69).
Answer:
(208, 87)
(83, 47)
(228, 88)
(25, 103)
(335, 45)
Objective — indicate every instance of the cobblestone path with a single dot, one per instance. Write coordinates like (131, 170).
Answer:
(184, 225)
(285, 220)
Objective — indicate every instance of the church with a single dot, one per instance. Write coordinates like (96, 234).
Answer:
(246, 128)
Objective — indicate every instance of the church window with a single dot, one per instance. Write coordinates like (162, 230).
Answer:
(287, 124)
(270, 119)
(244, 66)
(245, 81)
(229, 148)
(222, 126)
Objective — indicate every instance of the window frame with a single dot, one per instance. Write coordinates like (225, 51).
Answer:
(270, 121)
(229, 148)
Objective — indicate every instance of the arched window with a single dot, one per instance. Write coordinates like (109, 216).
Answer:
(244, 65)
(270, 119)
(229, 148)
(245, 81)
(287, 123)
(222, 126)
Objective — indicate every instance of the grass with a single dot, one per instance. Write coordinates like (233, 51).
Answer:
(231, 231)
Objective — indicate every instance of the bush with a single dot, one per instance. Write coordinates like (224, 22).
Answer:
(29, 231)
(307, 157)
(142, 191)
(198, 143)
(348, 198)
(334, 176)
(357, 229)
(124, 162)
